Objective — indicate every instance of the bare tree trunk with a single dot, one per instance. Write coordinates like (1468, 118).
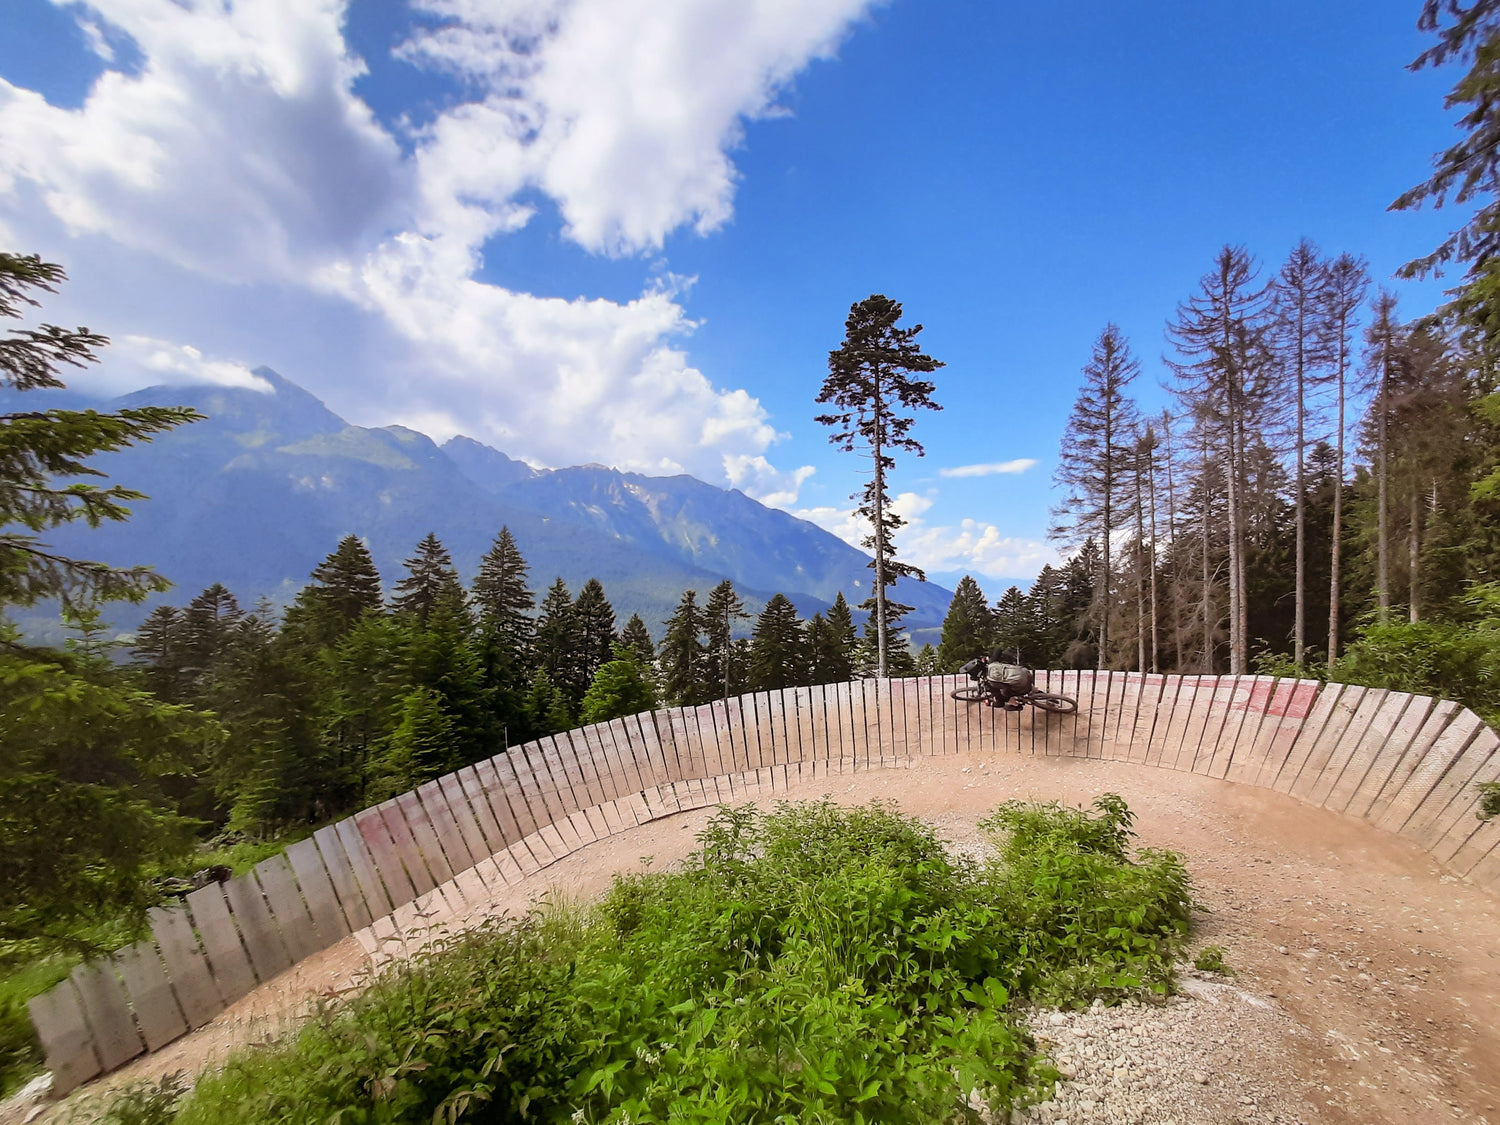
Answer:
(879, 532)
(1140, 585)
(1172, 529)
(1109, 489)
(1299, 627)
(1151, 480)
(1233, 489)
(1335, 559)
(1207, 663)
(1414, 558)
(1382, 579)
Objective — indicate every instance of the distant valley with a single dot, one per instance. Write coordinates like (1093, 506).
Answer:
(256, 495)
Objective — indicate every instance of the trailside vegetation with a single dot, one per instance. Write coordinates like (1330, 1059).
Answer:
(813, 963)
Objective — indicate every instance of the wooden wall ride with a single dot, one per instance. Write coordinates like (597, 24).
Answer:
(1405, 763)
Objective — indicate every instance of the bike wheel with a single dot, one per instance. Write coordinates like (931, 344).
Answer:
(1057, 704)
(968, 694)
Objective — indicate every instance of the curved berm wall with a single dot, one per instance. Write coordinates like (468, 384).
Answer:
(1405, 763)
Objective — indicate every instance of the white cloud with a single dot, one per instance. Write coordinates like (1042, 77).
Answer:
(178, 364)
(759, 479)
(239, 152)
(973, 545)
(1019, 465)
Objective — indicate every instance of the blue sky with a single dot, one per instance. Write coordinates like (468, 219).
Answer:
(628, 231)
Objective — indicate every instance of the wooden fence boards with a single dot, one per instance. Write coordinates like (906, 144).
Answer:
(344, 876)
(203, 986)
(410, 868)
(284, 898)
(63, 1030)
(317, 890)
(108, 1013)
(254, 922)
(156, 1012)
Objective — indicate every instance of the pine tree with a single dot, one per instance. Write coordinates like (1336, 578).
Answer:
(208, 625)
(837, 664)
(41, 449)
(968, 628)
(546, 707)
(928, 663)
(1468, 172)
(349, 584)
(681, 655)
(1386, 361)
(158, 652)
(1095, 458)
(558, 640)
(1348, 278)
(594, 620)
(1298, 296)
(430, 581)
(636, 638)
(893, 639)
(723, 609)
(869, 376)
(1225, 375)
(778, 656)
(502, 598)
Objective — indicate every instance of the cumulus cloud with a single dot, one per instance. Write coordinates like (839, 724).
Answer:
(239, 151)
(973, 545)
(182, 364)
(759, 479)
(1019, 465)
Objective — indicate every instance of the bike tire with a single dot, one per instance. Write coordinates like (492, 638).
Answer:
(968, 694)
(1056, 704)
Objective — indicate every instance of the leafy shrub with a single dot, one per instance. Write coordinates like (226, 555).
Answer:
(1210, 959)
(813, 964)
(1489, 799)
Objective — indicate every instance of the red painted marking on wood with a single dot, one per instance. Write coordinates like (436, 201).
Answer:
(1294, 704)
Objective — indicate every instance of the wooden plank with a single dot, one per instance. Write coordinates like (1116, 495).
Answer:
(200, 987)
(1326, 762)
(1452, 798)
(1376, 759)
(1401, 771)
(445, 826)
(503, 791)
(1311, 764)
(108, 1012)
(627, 773)
(344, 875)
(57, 1015)
(552, 787)
(1242, 714)
(1226, 694)
(285, 899)
(1461, 839)
(1353, 754)
(1290, 705)
(593, 760)
(428, 848)
(253, 920)
(562, 772)
(156, 1010)
(465, 817)
(374, 889)
(484, 813)
(317, 889)
(1323, 710)
(1174, 739)
(403, 846)
(1409, 808)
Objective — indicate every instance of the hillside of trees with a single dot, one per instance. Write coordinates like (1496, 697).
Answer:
(1319, 500)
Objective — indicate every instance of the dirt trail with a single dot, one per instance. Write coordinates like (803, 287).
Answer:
(1382, 971)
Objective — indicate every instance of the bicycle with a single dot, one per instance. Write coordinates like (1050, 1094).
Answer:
(1047, 701)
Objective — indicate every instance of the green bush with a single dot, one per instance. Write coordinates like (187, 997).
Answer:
(1210, 959)
(814, 964)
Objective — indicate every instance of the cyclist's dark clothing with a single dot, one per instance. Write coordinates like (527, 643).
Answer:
(1001, 682)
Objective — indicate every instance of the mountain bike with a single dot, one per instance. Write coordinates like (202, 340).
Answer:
(1042, 700)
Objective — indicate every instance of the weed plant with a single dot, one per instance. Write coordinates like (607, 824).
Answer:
(813, 964)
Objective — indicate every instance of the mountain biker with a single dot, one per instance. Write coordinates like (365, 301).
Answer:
(1003, 683)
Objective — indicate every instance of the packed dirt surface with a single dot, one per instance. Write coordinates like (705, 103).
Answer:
(1366, 986)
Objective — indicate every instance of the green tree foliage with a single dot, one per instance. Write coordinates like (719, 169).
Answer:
(836, 662)
(558, 641)
(621, 687)
(636, 638)
(870, 384)
(86, 770)
(345, 586)
(680, 656)
(968, 628)
(418, 750)
(502, 598)
(1466, 173)
(778, 653)
(722, 665)
(594, 618)
(430, 583)
(41, 448)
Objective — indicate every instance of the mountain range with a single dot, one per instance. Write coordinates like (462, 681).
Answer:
(261, 491)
